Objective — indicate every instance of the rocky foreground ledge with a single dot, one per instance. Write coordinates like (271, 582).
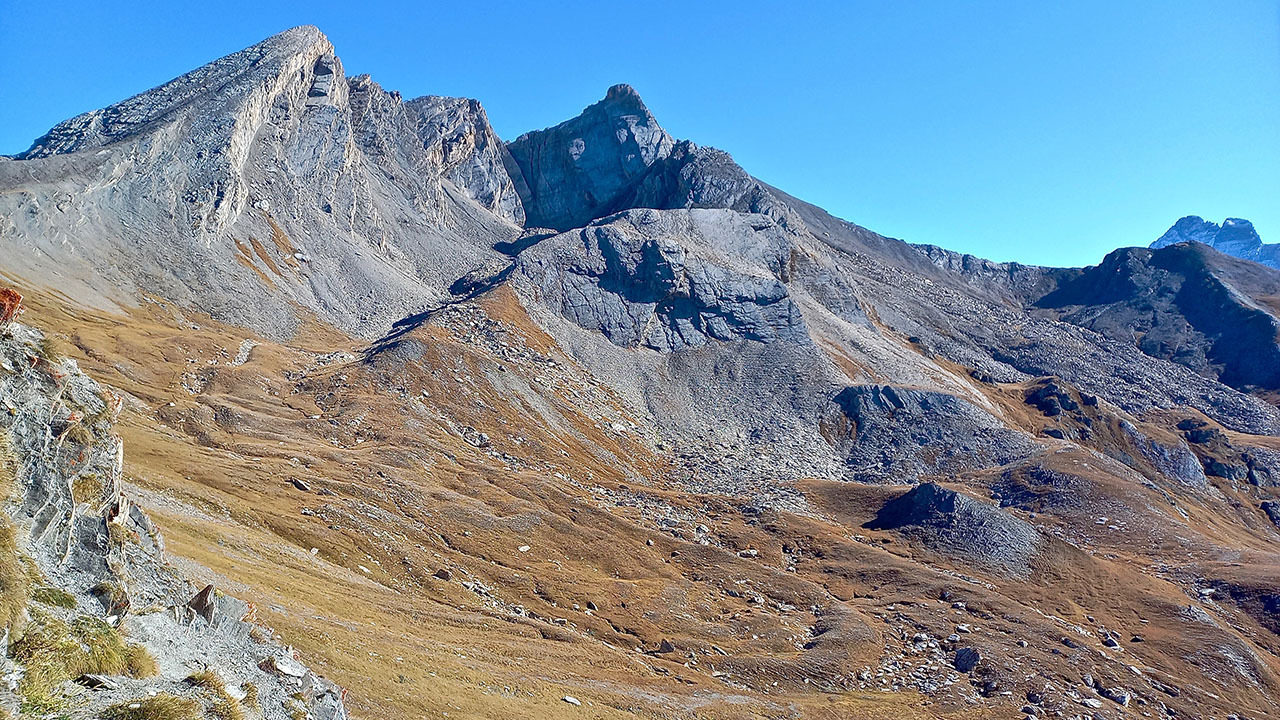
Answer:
(96, 624)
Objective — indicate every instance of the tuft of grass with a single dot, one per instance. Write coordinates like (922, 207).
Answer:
(15, 577)
(8, 464)
(112, 596)
(224, 706)
(56, 597)
(138, 662)
(88, 488)
(226, 709)
(251, 696)
(53, 651)
(160, 707)
(48, 349)
(209, 680)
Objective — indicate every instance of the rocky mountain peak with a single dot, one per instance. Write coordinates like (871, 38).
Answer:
(206, 94)
(1235, 236)
(577, 170)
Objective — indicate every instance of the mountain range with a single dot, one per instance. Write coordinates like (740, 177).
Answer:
(595, 423)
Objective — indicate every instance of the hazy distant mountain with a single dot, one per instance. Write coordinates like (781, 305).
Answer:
(1234, 237)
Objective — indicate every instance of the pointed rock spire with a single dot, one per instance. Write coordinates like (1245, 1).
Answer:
(577, 170)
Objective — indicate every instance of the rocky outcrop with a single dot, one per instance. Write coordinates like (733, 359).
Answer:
(577, 171)
(961, 526)
(657, 280)
(462, 147)
(101, 562)
(895, 434)
(1235, 236)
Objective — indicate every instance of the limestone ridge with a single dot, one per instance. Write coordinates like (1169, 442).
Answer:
(219, 109)
(262, 180)
(1235, 236)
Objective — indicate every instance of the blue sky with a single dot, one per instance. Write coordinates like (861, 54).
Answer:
(1042, 132)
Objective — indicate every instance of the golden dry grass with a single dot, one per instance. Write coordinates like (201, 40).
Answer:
(408, 497)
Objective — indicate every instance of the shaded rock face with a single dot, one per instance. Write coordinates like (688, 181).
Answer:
(697, 177)
(895, 434)
(1235, 236)
(578, 170)
(960, 526)
(1184, 303)
(656, 280)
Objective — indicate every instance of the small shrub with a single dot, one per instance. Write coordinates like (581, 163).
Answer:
(251, 696)
(10, 306)
(160, 707)
(56, 597)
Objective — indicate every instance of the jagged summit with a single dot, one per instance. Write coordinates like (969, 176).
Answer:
(1235, 236)
(579, 169)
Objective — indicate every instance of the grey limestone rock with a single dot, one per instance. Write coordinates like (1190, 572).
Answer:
(577, 171)
(961, 526)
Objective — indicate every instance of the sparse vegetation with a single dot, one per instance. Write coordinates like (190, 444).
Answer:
(15, 577)
(88, 487)
(224, 706)
(55, 597)
(111, 595)
(160, 707)
(207, 679)
(138, 662)
(53, 651)
(48, 349)
(8, 464)
(251, 696)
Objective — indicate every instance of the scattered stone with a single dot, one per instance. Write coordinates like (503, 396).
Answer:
(966, 660)
(572, 700)
(444, 574)
(205, 603)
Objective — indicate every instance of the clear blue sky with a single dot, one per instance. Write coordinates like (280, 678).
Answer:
(1045, 132)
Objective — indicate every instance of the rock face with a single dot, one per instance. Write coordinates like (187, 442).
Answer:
(665, 281)
(578, 170)
(881, 429)
(960, 526)
(462, 147)
(1235, 236)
